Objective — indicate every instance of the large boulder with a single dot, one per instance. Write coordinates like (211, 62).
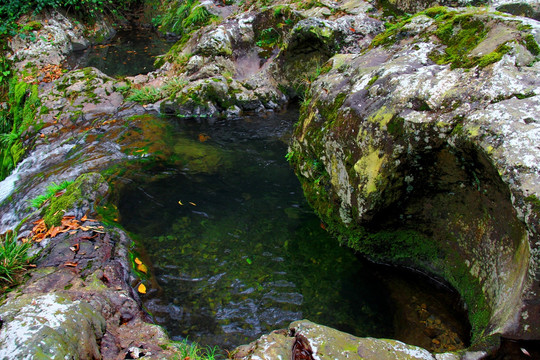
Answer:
(423, 151)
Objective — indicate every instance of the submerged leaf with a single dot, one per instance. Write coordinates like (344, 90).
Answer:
(142, 268)
(142, 289)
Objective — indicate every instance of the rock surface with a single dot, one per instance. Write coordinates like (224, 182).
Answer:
(414, 155)
(47, 39)
(307, 340)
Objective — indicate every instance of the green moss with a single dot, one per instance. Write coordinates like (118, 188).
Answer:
(330, 111)
(395, 127)
(461, 34)
(531, 44)
(494, 56)
(471, 291)
(534, 201)
(372, 81)
(73, 196)
(23, 103)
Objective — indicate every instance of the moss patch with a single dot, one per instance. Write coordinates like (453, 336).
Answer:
(75, 195)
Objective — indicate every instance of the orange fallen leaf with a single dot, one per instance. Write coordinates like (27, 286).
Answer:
(142, 268)
(138, 261)
(74, 248)
(142, 289)
(203, 137)
(71, 264)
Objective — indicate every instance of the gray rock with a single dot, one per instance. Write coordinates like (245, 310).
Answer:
(447, 153)
(49, 325)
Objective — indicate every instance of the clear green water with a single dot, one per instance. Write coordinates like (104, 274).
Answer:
(129, 53)
(243, 254)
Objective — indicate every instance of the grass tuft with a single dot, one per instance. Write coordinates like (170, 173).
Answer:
(52, 190)
(193, 351)
(13, 257)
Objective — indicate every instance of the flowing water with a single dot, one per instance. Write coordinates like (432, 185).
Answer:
(237, 252)
(129, 53)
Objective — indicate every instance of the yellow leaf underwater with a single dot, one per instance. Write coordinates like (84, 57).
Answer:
(142, 289)
(142, 268)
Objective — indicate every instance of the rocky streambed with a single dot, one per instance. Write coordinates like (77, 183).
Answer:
(416, 145)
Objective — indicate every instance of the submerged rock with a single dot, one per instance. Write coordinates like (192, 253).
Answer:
(421, 151)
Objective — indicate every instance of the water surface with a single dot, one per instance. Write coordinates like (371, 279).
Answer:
(237, 252)
(129, 53)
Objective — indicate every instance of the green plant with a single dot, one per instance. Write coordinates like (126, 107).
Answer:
(13, 256)
(193, 351)
(269, 38)
(145, 95)
(51, 191)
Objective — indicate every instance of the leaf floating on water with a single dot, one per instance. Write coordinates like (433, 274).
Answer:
(137, 261)
(192, 203)
(142, 289)
(142, 268)
(180, 202)
(203, 137)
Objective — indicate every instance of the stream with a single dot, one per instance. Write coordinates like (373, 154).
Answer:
(237, 252)
(233, 247)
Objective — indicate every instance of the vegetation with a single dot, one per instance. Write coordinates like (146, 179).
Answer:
(193, 351)
(150, 94)
(13, 257)
(52, 190)
(183, 17)
(22, 105)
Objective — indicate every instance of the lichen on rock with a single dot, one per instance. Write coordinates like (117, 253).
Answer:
(419, 150)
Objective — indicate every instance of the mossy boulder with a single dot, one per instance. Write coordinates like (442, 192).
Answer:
(321, 342)
(411, 158)
(50, 326)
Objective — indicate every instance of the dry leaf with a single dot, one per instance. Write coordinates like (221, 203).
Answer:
(74, 248)
(71, 264)
(137, 261)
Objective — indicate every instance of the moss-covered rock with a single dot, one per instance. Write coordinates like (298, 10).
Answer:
(321, 342)
(411, 159)
(50, 326)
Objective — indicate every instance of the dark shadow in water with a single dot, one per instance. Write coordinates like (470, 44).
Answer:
(237, 252)
(129, 53)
